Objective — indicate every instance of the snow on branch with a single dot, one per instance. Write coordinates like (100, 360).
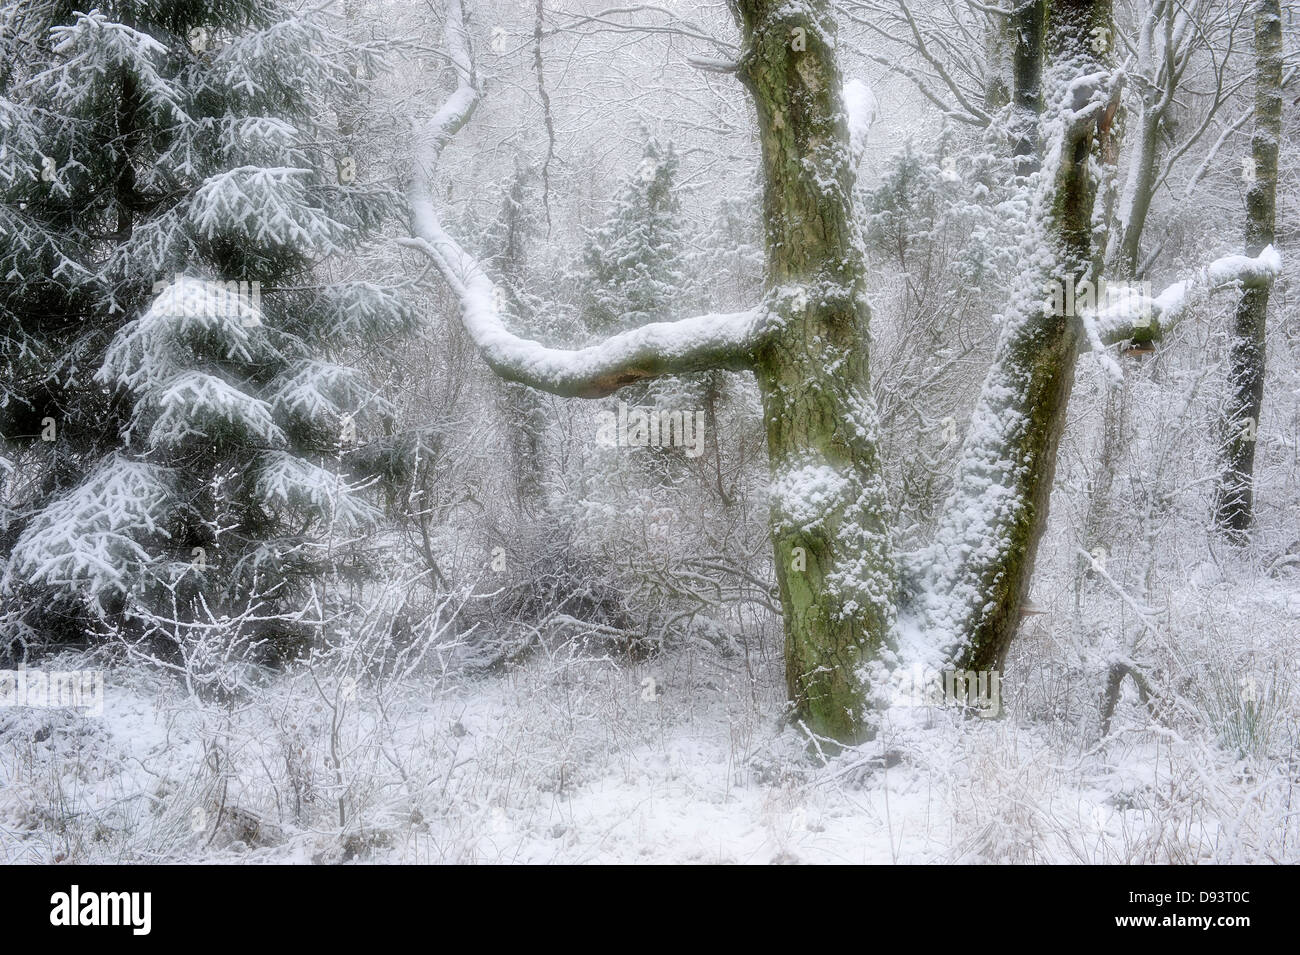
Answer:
(93, 539)
(662, 348)
(94, 46)
(290, 482)
(1139, 315)
(713, 64)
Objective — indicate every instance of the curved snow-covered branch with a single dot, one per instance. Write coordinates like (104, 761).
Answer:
(651, 351)
(662, 348)
(1145, 317)
(446, 122)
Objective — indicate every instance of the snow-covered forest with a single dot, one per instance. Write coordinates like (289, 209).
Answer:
(762, 431)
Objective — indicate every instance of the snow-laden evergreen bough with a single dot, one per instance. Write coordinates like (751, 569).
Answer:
(852, 606)
(178, 401)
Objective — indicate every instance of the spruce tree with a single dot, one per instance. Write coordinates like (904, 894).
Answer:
(635, 272)
(178, 406)
(633, 262)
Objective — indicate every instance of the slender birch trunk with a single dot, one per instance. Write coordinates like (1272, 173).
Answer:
(1234, 505)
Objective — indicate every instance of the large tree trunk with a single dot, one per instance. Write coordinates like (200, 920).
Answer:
(829, 518)
(984, 551)
(1234, 506)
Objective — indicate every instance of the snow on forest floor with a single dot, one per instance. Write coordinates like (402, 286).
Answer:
(570, 760)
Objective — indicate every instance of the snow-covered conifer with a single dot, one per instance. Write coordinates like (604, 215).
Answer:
(633, 261)
(178, 214)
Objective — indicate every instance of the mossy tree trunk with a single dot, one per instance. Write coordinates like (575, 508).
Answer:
(984, 552)
(1234, 504)
(834, 564)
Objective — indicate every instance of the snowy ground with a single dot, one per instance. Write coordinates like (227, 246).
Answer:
(570, 760)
